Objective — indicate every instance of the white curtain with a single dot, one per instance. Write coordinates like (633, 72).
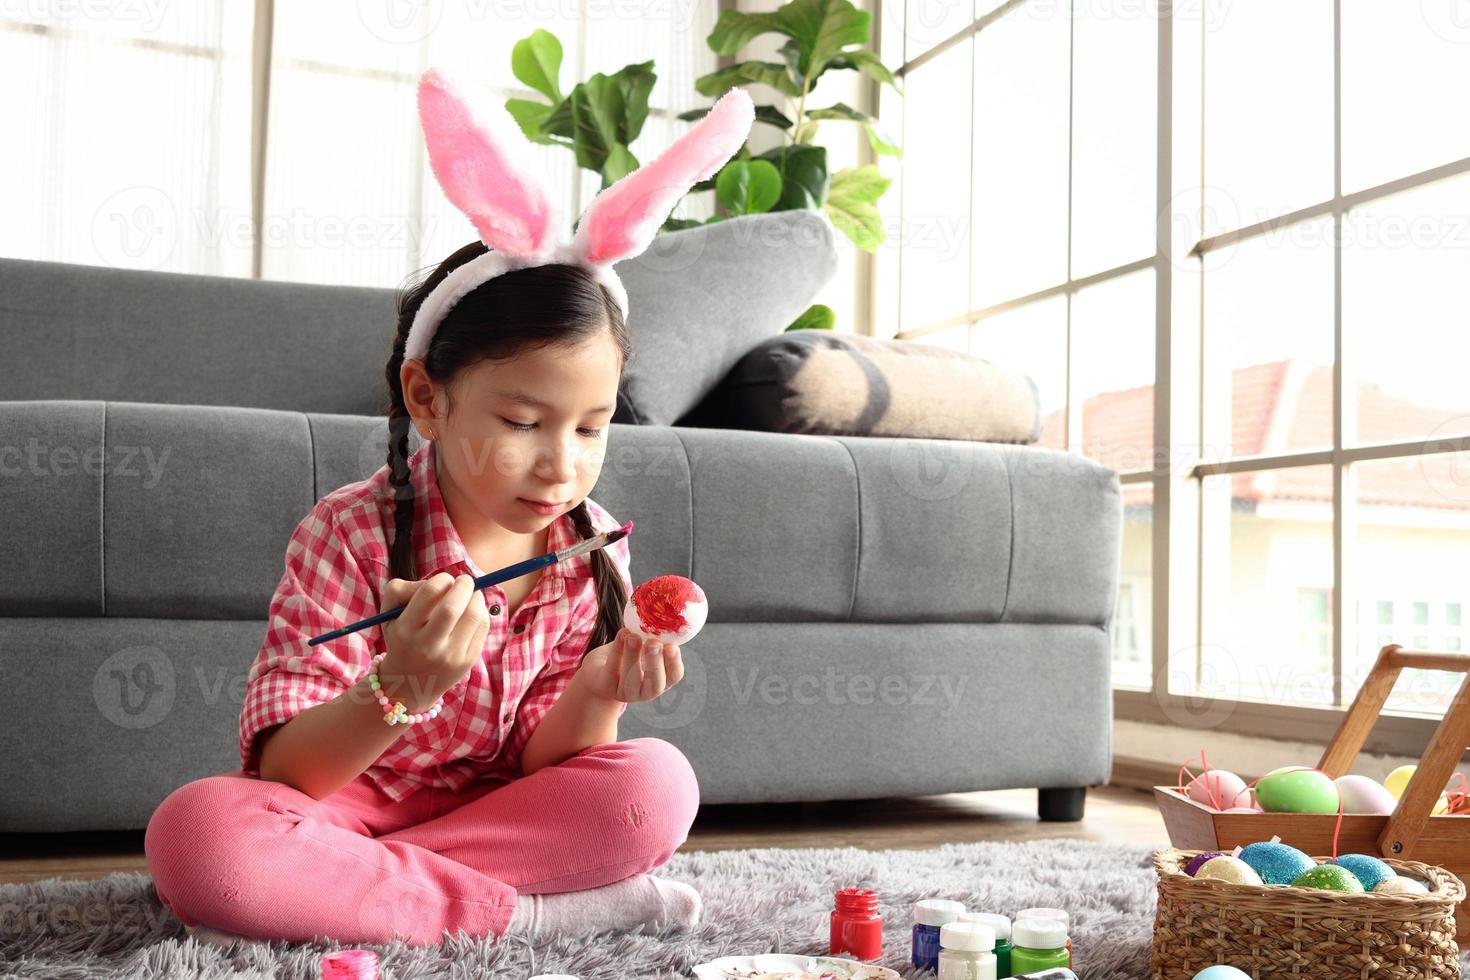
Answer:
(347, 180)
(127, 134)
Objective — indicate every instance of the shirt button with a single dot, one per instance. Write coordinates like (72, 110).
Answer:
(505, 718)
(495, 609)
(520, 627)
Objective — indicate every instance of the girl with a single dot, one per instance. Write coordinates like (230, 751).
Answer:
(504, 804)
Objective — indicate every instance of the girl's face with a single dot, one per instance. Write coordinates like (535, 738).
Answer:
(531, 429)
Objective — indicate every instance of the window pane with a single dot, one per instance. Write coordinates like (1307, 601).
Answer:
(921, 24)
(1268, 110)
(1266, 537)
(956, 338)
(1412, 531)
(1114, 134)
(1133, 616)
(936, 196)
(1113, 370)
(1405, 315)
(1033, 339)
(1269, 348)
(1020, 170)
(1393, 56)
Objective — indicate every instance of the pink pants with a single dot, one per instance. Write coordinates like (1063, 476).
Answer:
(262, 859)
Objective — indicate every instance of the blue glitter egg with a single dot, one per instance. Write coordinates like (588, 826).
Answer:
(1275, 862)
(1366, 868)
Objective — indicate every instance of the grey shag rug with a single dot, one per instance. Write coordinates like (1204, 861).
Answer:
(774, 900)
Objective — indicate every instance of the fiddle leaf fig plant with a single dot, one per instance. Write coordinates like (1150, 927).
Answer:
(597, 120)
(822, 35)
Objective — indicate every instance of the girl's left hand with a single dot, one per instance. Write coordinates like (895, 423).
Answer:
(631, 668)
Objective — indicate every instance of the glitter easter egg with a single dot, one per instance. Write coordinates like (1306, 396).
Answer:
(669, 609)
(1363, 795)
(1399, 885)
(1329, 877)
(1297, 791)
(1217, 788)
(1193, 864)
(1366, 868)
(1231, 869)
(1221, 972)
(1275, 862)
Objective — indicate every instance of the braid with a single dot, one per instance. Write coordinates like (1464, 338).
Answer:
(401, 559)
(612, 591)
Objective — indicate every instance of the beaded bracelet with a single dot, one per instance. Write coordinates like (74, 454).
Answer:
(394, 713)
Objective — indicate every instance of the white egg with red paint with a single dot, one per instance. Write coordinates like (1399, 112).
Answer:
(668, 609)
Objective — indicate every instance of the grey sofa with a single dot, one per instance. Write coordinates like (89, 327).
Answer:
(889, 617)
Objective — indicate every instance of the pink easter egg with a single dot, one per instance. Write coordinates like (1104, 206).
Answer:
(1217, 788)
(1363, 795)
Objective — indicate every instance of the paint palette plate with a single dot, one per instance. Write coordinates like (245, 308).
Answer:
(786, 966)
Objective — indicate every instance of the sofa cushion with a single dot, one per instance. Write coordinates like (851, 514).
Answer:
(700, 298)
(820, 382)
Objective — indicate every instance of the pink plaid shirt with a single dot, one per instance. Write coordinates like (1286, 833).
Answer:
(336, 568)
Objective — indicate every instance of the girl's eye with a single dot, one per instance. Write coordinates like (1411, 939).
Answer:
(528, 426)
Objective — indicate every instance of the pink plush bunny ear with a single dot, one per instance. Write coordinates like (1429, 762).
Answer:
(624, 216)
(483, 161)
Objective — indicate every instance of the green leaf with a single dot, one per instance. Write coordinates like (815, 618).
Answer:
(734, 30)
(867, 62)
(713, 218)
(818, 316)
(850, 205)
(803, 170)
(531, 117)
(605, 112)
(620, 162)
(822, 28)
(716, 83)
(536, 61)
(679, 224)
(877, 138)
(763, 113)
(636, 82)
(748, 186)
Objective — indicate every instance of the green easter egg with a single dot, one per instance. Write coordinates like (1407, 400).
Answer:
(1301, 791)
(1331, 877)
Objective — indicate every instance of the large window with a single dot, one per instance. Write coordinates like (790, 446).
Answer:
(1230, 243)
(280, 139)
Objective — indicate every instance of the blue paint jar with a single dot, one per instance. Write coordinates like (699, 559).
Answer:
(929, 915)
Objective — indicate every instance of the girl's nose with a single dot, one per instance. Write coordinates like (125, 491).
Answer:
(558, 463)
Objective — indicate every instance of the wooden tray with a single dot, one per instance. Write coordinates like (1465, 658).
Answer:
(1410, 833)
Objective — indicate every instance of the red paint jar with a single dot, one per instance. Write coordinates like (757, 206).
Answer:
(857, 927)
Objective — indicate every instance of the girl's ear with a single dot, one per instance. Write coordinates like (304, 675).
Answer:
(484, 163)
(624, 216)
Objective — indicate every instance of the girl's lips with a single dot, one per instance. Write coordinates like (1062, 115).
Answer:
(541, 508)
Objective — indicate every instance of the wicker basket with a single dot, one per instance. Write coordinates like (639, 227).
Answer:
(1281, 931)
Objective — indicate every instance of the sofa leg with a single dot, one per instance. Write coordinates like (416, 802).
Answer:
(1061, 803)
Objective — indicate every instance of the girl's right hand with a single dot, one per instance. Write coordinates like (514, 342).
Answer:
(435, 641)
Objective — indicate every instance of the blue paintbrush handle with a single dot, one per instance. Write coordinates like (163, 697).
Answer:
(489, 578)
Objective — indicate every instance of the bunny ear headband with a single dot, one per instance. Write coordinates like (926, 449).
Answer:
(483, 162)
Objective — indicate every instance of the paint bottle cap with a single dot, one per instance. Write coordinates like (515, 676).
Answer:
(936, 911)
(1000, 923)
(967, 936)
(1041, 913)
(1039, 934)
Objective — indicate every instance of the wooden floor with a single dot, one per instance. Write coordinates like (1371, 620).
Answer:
(1114, 814)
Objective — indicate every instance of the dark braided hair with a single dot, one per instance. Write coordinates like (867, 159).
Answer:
(561, 305)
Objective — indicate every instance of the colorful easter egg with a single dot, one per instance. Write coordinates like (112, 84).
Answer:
(1231, 869)
(1193, 864)
(669, 609)
(1329, 877)
(1216, 788)
(1275, 862)
(1366, 868)
(1396, 781)
(1291, 790)
(1363, 795)
(1399, 885)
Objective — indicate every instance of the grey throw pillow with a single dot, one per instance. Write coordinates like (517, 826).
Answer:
(701, 298)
